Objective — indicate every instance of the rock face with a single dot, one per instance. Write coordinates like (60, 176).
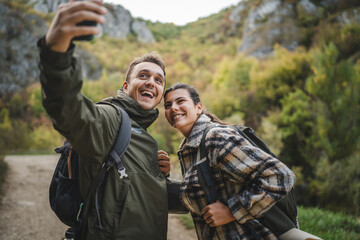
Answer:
(46, 6)
(119, 22)
(19, 32)
(271, 22)
(90, 66)
(143, 34)
(349, 17)
(259, 24)
(19, 58)
(306, 7)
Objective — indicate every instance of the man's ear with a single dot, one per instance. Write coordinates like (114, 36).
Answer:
(163, 94)
(199, 108)
(125, 87)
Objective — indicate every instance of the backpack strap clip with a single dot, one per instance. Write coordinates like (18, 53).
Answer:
(121, 144)
(122, 173)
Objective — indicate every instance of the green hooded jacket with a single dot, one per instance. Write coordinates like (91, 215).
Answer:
(135, 207)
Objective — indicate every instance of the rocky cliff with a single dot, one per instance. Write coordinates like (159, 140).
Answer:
(19, 31)
(260, 24)
(119, 22)
(270, 22)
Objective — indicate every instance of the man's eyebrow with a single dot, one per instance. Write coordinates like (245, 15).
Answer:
(149, 71)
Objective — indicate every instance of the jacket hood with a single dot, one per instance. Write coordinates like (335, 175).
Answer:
(141, 116)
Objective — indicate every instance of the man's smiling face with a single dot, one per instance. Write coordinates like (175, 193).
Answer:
(146, 85)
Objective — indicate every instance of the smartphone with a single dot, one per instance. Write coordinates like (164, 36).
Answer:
(85, 23)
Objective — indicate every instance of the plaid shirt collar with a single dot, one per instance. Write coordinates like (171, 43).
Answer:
(195, 137)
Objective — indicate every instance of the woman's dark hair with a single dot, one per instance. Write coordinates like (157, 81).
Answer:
(194, 95)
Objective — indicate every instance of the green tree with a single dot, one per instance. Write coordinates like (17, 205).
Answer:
(335, 86)
(283, 73)
(231, 85)
(5, 131)
(35, 101)
(296, 126)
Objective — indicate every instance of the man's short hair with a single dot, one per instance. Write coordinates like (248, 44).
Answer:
(152, 57)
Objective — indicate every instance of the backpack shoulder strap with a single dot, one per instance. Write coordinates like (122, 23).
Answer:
(202, 143)
(121, 144)
(122, 140)
(249, 134)
(204, 170)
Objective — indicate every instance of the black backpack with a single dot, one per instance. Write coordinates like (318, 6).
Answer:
(64, 194)
(279, 218)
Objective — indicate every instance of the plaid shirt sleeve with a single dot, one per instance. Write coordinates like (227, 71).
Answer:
(262, 179)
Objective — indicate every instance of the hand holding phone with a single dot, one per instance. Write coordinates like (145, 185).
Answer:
(75, 20)
(85, 23)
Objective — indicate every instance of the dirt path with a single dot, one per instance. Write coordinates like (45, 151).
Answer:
(25, 211)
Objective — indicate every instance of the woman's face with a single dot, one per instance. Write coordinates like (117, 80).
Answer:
(180, 110)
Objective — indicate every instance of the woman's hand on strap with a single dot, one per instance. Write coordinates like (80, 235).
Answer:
(217, 214)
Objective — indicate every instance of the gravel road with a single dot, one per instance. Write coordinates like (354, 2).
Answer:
(25, 211)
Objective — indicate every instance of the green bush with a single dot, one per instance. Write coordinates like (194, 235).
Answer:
(35, 101)
(45, 138)
(164, 31)
(14, 134)
(3, 172)
(231, 84)
(284, 73)
(5, 131)
(339, 185)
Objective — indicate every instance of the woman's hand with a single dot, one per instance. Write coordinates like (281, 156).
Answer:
(164, 162)
(217, 214)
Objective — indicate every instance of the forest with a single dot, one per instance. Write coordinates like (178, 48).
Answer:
(303, 102)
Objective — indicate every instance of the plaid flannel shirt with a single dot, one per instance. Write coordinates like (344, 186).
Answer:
(247, 180)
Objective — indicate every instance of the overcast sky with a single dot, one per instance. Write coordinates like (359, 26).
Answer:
(178, 12)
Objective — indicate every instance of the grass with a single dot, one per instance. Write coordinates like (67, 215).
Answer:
(187, 221)
(329, 225)
(322, 223)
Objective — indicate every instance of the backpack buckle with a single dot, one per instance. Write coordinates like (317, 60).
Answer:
(107, 166)
(122, 173)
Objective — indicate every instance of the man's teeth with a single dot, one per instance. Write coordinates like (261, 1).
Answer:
(150, 94)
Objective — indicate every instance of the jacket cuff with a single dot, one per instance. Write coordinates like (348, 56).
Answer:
(56, 59)
(239, 211)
